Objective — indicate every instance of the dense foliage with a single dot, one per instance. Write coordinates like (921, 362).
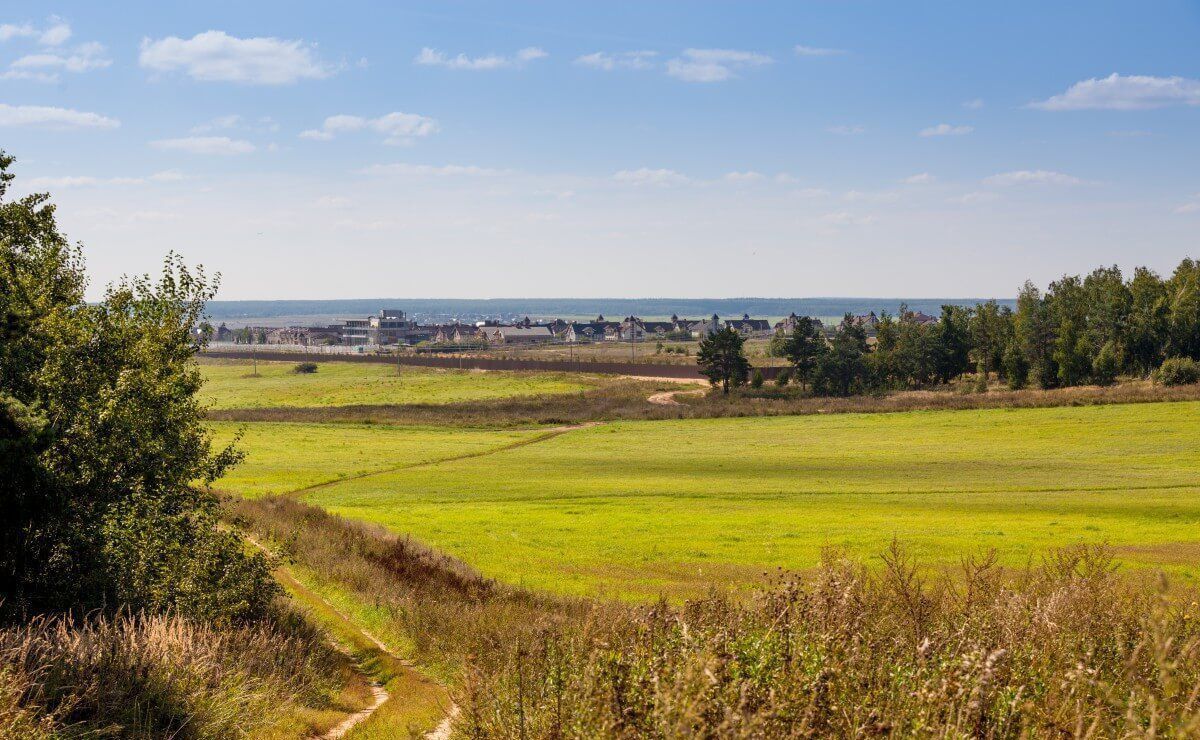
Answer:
(1081, 330)
(722, 359)
(104, 456)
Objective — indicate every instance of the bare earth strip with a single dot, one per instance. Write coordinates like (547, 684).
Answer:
(667, 398)
(379, 694)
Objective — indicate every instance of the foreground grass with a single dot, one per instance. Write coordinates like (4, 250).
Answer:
(637, 509)
(230, 384)
(1069, 646)
(162, 676)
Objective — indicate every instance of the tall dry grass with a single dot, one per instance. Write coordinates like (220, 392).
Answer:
(1069, 647)
(134, 676)
(627, 400)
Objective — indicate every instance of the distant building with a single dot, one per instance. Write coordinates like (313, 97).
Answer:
(516, 334)
(749, 327)
(706, 327)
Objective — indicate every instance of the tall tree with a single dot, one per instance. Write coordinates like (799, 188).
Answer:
(804, 346)
(722, 359)
(843, 370)
(952, 343)
(1183, 295)
(1034, 335)
(1148, 321)
(104, 454)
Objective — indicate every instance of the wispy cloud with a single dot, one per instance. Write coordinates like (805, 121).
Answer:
(648, 176)
(816, 51)
(974, 104)
(236, 122)
(746, 176)
(974, 198)
(1124, 92)
(215, 56)
(215, 145)
(945, 129)
(1192, 206)
(713, 65)
(609, 61)
(84, 181)
(49, 117)
(46, 66)
(430, 57)
(425, 170)
(923, 178)
(396, 127)
(847, 130)
(1032, 177)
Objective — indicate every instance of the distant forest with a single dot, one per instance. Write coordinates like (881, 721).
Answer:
(583, 307)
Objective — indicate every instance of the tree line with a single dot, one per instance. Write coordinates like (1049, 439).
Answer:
(1081, 330)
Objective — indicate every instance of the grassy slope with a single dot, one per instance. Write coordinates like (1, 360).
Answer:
(286, 457)
(230, 385)
(639, 507)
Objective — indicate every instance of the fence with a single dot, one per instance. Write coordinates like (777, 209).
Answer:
(688, 372)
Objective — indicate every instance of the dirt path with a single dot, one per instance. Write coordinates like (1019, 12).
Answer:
(545, 435)
(379, 694)
(667, 398)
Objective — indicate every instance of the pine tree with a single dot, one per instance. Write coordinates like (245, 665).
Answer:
(722, 359)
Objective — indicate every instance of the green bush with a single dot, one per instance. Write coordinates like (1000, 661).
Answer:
(305, 368)
(1105, 365)
(783, 378)
(1177, 371)
(756, 379)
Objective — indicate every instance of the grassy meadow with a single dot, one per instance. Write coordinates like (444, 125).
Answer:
(231, 384)
(641, 508)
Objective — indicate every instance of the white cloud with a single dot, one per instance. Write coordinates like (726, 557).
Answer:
(336, 202)
(1032, 177)
(747, 176)
(45, 66)
(48, 117)
(55, 35)
(648, 176)
(448, 170)
(215, 56)
(713, 65)
(945, 129)
(235, 122)
(1125, 92)
(975, 104)
(430, 57)
(1193, 206)
(83, 181)
(846, 218)
(12, 31)
(816, 51)
(397, 128)
(923, 178)
(845, 130)
(967, 199)
(205, 145)
(811, 193)
(619, 60)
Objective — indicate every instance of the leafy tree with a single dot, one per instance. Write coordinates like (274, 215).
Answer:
(104, 456)
(1016, 368)
(1148, 321)
(1183, 295)
(722, 360)
(1033, 332)
(991, 328)
(843, 370)
(1108, 304)
(952, 343)
(756, 379)
(804, 347)
(1106, 365)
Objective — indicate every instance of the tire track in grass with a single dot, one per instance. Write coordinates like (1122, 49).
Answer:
(542, 437)
(360, 637)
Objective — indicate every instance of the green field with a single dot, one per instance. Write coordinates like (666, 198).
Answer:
(638, 508)
(232, 385)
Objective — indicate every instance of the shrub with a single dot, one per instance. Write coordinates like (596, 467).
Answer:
(1177, 371)
(305, 368)
(756, 379)
(783, 378)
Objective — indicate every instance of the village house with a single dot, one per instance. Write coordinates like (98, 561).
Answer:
(516, 334)
(788, 324)
(706, 327)
(590, 331)
(749, 327)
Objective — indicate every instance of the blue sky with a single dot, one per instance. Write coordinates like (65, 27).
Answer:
(611, 149)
